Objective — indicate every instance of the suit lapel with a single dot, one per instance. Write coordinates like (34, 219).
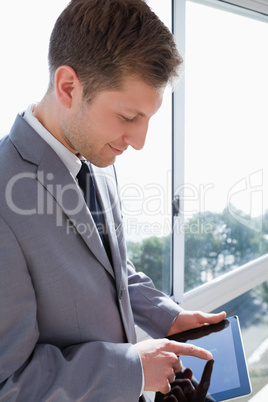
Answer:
(108, 200)
(62, 186)
(57, 180)
(106, 205)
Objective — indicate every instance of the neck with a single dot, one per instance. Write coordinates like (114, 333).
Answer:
(48, 113)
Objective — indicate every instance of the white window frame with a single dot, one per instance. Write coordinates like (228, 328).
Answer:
(259, 6)
(225, 288)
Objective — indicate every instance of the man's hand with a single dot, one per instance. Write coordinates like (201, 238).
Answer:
(194, 319)
(160, 362)
(184, 391)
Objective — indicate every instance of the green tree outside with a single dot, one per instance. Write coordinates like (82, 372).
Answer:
(220, 244)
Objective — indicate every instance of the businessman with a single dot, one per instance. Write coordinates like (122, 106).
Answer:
(69, 296)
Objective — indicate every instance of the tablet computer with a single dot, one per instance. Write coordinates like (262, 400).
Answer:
(230, 378)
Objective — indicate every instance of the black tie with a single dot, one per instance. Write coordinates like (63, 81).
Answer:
(86, 182)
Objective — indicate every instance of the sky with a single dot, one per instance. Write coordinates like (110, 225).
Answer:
(225, 72)
(24, 34)
(226, 117)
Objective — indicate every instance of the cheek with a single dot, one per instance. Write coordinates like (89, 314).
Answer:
(107, 130)
(98, 126)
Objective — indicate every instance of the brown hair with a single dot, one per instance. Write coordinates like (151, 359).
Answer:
(105, 40)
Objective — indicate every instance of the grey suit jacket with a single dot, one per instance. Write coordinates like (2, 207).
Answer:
(67, 313)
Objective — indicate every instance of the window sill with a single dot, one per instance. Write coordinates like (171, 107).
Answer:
(219, 291)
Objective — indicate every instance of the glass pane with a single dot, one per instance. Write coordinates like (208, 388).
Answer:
(225, 154)
(144, 177)
(252, 310)
(145, 185)
(25, 28)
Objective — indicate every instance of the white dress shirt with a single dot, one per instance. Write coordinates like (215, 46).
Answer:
(71, 161)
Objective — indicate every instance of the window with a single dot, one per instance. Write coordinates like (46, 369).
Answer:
(144, 177)
(219, 163)
(220, 236)
(223, 222)
(25, 28)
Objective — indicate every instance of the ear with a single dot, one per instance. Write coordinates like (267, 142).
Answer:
(66, 84)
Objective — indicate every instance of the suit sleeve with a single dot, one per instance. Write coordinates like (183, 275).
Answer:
(30, 371)
(153, 310)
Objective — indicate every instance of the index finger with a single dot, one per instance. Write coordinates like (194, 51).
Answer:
(203, 386)
(187, 349)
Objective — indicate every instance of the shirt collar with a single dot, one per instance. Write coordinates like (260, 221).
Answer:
(71, 161)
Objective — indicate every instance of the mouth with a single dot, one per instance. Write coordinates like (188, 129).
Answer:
(116, 151)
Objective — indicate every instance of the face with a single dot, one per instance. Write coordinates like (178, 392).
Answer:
(114, 120)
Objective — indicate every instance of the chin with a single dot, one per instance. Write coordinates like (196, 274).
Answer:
(102, 163)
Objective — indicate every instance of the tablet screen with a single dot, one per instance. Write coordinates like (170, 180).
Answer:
(229, 377)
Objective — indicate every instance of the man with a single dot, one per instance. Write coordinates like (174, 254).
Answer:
(69, 296)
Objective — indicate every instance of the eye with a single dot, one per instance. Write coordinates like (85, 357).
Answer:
(128, 120)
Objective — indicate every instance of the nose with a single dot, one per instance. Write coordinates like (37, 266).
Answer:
(136, 135)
